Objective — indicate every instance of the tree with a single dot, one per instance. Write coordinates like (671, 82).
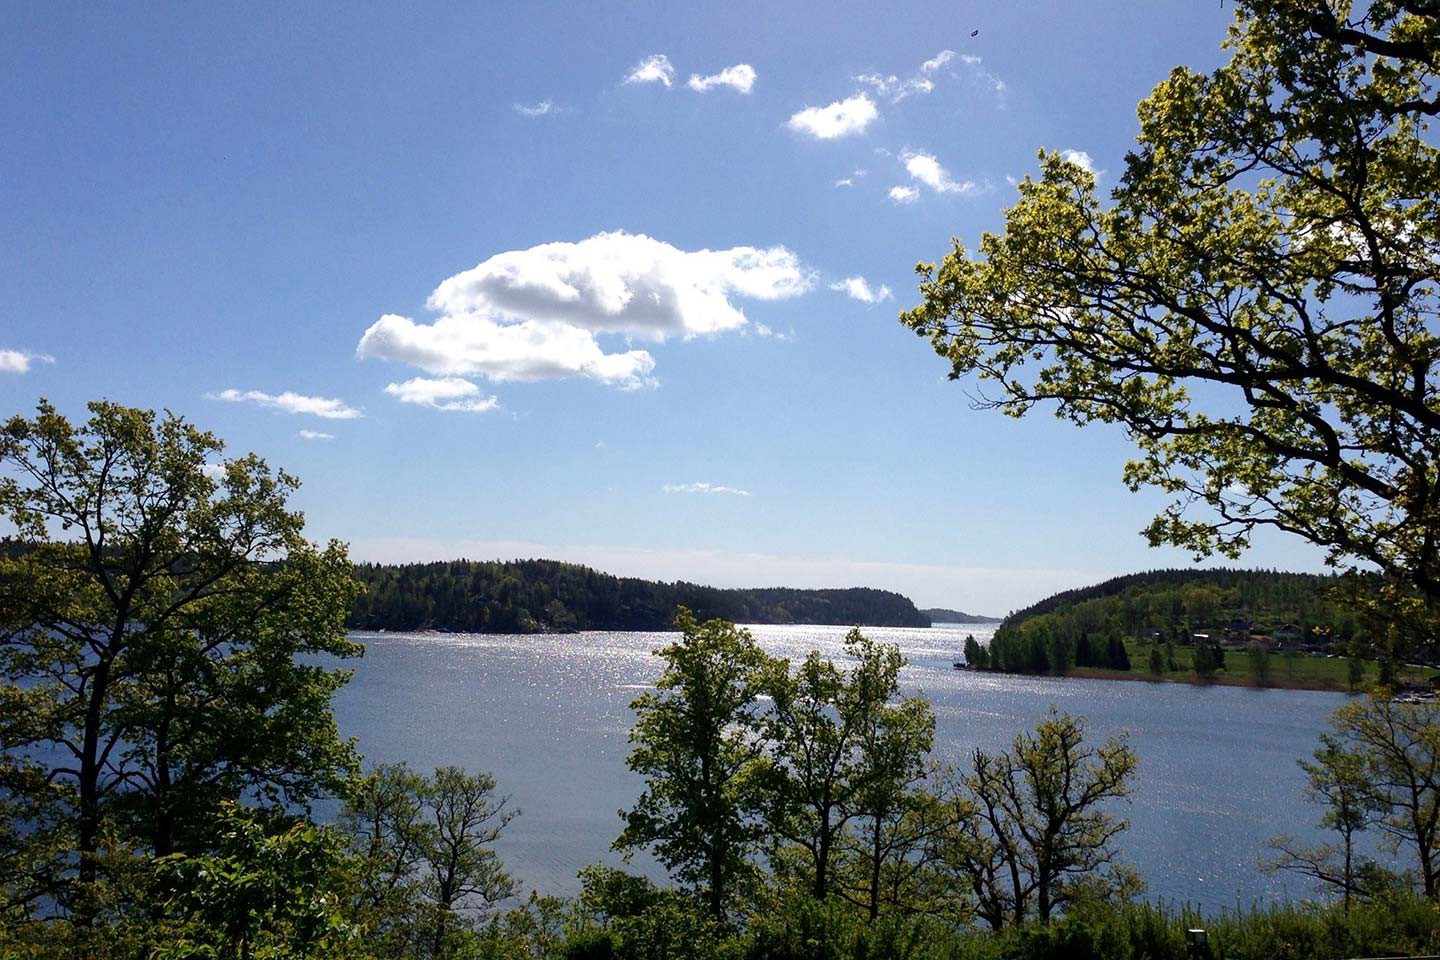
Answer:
(154, 608)
(1257, 304)
(820, 723)
(460, 870)
(1335, 779)
(696, 741)
(1030, 826)
(1257, 655)
(422, 855)
(1396, 749)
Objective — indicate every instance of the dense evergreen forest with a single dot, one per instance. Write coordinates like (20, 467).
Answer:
(532, 596)
(1199, 608)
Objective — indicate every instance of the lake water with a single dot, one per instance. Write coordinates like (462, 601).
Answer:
(548, 716)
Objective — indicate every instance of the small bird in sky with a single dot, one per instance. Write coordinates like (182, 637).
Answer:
(974, 33)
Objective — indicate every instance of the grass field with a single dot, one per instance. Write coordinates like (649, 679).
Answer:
(1298, 672)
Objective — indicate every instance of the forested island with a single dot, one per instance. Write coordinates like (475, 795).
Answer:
(540, 596)
(945, 615)
(1264, 627)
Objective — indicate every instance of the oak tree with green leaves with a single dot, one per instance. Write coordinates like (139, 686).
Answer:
(1256, 303)
(696, 741)
(1031, 824)
(161, 613)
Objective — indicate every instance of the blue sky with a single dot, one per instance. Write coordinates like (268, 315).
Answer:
(653, 356)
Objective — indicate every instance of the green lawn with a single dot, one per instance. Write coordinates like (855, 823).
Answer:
(1300, 670)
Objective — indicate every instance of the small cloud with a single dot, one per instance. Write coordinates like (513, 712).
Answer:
(599, 444)
(840, 119)
(850, 180)
(446, 393)
(740, 77)
(315, 435)
(544, 108)
(289, 402)
(20, 361)
(976, 68)
(926, 169)
(904, 194)
(858, 288)
(215, 471)
(704, 488)
(655, 68)
(895, 89)
(1080, 158)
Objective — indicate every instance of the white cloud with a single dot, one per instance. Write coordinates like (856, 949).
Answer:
(839, 119)
(543, 108)
(1080, 158)
(536, 314)
(927, 170)
(937, 61)
(895, 88)
(904, 194)
(655, 68)
(850, 180)
(289, 402)
(704, 488)
(20, 361)
(448, 393)
(740, 77)
(858, 288)
(215, 471)
(315, 435)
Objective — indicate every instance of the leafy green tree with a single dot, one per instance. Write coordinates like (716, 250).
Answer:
(461, 875)
(1336, 779)
(821, 720)
(259, 893)
(1396, 749)
(696, 741)
(153, 621)
(1156, 660)
(1257, 655)
(1031, 830)
(423, 866)
(1256, 304)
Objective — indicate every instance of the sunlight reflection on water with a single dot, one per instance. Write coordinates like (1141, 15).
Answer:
(549, 717)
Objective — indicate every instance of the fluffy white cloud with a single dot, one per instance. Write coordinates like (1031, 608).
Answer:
(704, 488)
(289, 402)
(215, 471)
(926, 169)
(20, 361)
(448, 393)
(840, 119)
(937, 61)
(315, 435)
(543, 108)
(740, 77)
(535, 314)
(858, 288)
(1080, 158)
(655, 68)
(904, 194)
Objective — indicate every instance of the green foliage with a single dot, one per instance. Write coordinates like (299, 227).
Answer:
(152, 622)
(1031, 833)
(423, 867)
(695, 741)
(1255, 305)
(528, 596)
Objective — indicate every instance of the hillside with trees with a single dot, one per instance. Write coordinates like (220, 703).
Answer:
(539, 596)
(946, 615)
(1194, 616)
